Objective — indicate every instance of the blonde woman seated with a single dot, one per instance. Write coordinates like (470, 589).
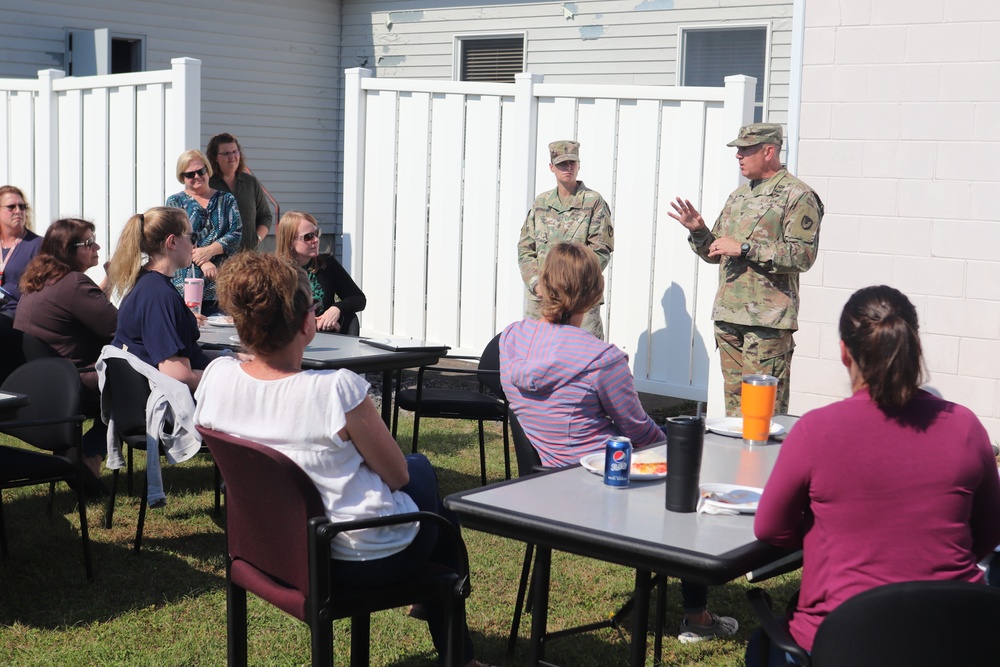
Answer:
(154, 324)
(328, 426)
(572, 391)
(338, 297)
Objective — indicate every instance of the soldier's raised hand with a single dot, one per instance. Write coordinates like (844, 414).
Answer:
(686, 214)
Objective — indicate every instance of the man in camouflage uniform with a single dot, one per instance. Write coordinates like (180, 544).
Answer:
(767, 233)
(570, 212)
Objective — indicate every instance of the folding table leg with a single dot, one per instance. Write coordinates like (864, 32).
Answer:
(640, 616)
(540, 604)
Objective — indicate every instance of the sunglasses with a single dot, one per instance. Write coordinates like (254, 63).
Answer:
(86, 244)
(310, 237)
(193, 237)
(16, 207)
(196, 172)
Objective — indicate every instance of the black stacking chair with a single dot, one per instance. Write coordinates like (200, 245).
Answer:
(127, 391)
(50, 422)
(915, 623)
(481, 405)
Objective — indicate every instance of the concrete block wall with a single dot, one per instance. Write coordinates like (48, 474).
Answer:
(900, 128)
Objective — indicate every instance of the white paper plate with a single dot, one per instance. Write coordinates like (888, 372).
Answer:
(234, 338)
(733, 427)
(742, 499)
(595, 464)
(219, 321)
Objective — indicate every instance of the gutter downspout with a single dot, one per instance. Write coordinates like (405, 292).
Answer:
(795, 84)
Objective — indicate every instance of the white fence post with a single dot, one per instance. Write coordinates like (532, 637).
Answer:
(354, 169)
(184, 119)
(46, 202)
(520, 191)
(737, 112)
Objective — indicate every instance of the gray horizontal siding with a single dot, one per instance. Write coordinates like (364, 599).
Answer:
(635, 46)
(271, 74)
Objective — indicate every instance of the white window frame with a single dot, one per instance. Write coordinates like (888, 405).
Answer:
(684, 30)
(456, 60)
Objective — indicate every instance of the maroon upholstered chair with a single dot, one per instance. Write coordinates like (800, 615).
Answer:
(278, 548)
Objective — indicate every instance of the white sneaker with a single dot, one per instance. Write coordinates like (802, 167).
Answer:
(721, 626)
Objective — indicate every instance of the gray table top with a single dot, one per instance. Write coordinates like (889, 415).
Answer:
(572, 510)
(333, 351)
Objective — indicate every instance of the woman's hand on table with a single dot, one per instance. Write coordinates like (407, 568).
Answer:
(329, 320)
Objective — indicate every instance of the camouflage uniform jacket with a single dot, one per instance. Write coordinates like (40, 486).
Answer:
(779, 218)
(585, 219)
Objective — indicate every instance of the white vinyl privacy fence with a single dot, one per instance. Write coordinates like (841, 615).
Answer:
(98, 147)
(439, 176)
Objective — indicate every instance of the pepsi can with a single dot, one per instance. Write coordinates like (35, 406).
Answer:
(617, 462)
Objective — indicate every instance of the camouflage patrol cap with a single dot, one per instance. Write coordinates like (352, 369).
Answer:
(564, 151)
(758, 133)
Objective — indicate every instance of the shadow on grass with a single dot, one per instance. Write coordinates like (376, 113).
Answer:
(44, 584)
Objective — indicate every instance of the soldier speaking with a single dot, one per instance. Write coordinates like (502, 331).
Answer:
(765, 236)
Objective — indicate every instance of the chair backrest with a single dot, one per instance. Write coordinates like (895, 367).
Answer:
(269, 501)
(127, 390)
(53, 385)
(490, 361)
(528, 461)
(11, 342)
(912, 623)
(35, 348)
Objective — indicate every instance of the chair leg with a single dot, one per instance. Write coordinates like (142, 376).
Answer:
(456, 632)
(416, 431)
(360, 640)
(218, 488)
(3, 533)
(128, 486)
(109, 510)
(236, 624)
(522, 588)
(658, 619)
(84, 533)
(506, 446)
(395, 403)
(482, 453)
(142, 515)
(52, 498)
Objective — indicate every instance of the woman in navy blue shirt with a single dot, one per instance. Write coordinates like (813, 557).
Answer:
(153, 322)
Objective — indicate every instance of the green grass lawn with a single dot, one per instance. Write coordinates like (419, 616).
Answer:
(168, 605)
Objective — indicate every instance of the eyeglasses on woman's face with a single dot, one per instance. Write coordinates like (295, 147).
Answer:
(16, 207)
(310, 237)
(196, 172)
(229, 154)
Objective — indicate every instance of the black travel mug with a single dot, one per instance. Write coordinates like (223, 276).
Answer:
(685, 441)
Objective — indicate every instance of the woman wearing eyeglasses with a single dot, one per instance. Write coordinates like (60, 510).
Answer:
(154, 324)
(215, 218)
(61, 306)
(230, 175)
(339, 296)
(18, 245)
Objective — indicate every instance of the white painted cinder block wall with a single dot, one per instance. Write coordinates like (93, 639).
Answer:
(900, 133)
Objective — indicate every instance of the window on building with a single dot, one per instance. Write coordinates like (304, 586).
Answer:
(90, 52)
(495, 58)
(710, 55)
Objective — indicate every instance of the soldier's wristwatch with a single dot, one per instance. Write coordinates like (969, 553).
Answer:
(744, 249)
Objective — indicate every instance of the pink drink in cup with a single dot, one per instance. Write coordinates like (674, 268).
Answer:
(194, 290)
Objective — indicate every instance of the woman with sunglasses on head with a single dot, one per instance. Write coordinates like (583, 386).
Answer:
(339, 296)
(61, 306)
(230, 175)
(329, 427)
(215, 218)
(154, 324)
(18, 245)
